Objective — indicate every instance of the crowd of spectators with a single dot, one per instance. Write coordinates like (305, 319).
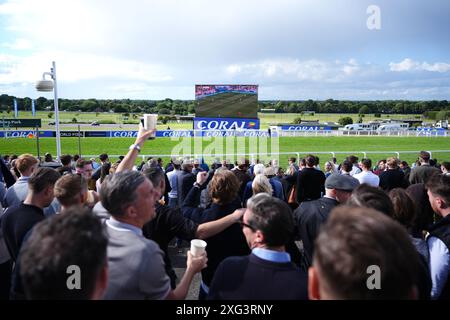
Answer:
(273, 231)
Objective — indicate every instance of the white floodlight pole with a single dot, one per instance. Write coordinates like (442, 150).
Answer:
(55, 92)
(46, 86)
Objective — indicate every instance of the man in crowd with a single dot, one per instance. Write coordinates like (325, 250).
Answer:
(366, 175)
(310, 215)
(439, 239)
(26, 164)
(136, 264)
(310, 182)
(66, 161)
(19, 219)
(267, 273)
(362, 254)
(393, 177)
(71, 191)
(420, 174)
(66, 236)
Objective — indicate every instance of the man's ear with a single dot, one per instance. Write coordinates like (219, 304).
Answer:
(49, 191)
(131, 211)
(441, 203)
(259, 237)
(313, 284)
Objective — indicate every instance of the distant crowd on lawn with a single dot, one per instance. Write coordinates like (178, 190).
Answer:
(291, 231)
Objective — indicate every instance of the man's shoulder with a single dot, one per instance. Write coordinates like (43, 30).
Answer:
(130, 240)
(308, 209)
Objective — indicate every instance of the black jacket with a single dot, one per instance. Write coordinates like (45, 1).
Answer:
(310, 184)
(391, 179)
(230, 242)
(309, 217)
(168, 224)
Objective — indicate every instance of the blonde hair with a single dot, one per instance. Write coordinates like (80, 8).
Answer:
(25, 161)
(392, 162)
(261, 184)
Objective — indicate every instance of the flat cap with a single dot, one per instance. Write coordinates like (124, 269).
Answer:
(341, 182)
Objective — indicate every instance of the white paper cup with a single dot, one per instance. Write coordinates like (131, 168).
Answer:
(197, 247)
(150, 122)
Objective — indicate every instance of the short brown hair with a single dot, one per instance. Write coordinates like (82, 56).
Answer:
(366, 163)
(42, 178)
(404, 208)
(68, 187)
(25, 161)
(424, 155)
(224, 186)
(311, 160)
(371, 197)
(82, 162)
(439, 184)
(352, 240)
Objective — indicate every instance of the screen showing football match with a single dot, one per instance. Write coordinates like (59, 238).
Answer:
(226, 101)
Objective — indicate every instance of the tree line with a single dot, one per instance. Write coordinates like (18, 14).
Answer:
(432, 109)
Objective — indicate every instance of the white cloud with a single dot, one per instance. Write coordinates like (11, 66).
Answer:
(411, 65)
(297, 70)
(19, 44)
(161, 48)
(72, 67)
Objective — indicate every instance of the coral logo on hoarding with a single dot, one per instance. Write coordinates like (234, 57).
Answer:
(225, 124)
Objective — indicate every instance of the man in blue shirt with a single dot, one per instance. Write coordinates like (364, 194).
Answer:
(267, 273)
(439, 239)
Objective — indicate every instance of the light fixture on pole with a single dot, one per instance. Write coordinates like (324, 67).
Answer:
(47, 86)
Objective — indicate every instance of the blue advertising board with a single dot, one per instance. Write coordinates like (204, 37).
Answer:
(299, 127)
(431, 131)
(133, 134)
(225, 124)
(26, 134)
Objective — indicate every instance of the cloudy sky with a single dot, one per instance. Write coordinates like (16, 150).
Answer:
(293, 49)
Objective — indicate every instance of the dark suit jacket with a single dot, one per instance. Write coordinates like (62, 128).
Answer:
(309, 217)
(422, 173)
(310, 184)
(185, 182)
(391, 179)
(252, 278)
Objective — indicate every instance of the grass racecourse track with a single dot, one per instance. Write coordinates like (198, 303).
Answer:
(226, 105)
(356, 145)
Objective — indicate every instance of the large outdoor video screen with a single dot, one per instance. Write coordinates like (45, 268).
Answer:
(226, 101)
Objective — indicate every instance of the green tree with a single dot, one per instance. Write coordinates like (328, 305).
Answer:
(364, 110)
(442, 115)
(119, 108)
(297, 120)
(345, 121)
(164, 111)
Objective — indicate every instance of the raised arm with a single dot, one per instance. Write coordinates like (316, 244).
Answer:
(129, 160)
(211, 228)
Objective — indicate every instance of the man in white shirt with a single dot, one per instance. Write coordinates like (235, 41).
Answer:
(439, 239)
(367, 176)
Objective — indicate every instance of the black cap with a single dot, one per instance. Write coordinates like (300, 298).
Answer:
(341, 182)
